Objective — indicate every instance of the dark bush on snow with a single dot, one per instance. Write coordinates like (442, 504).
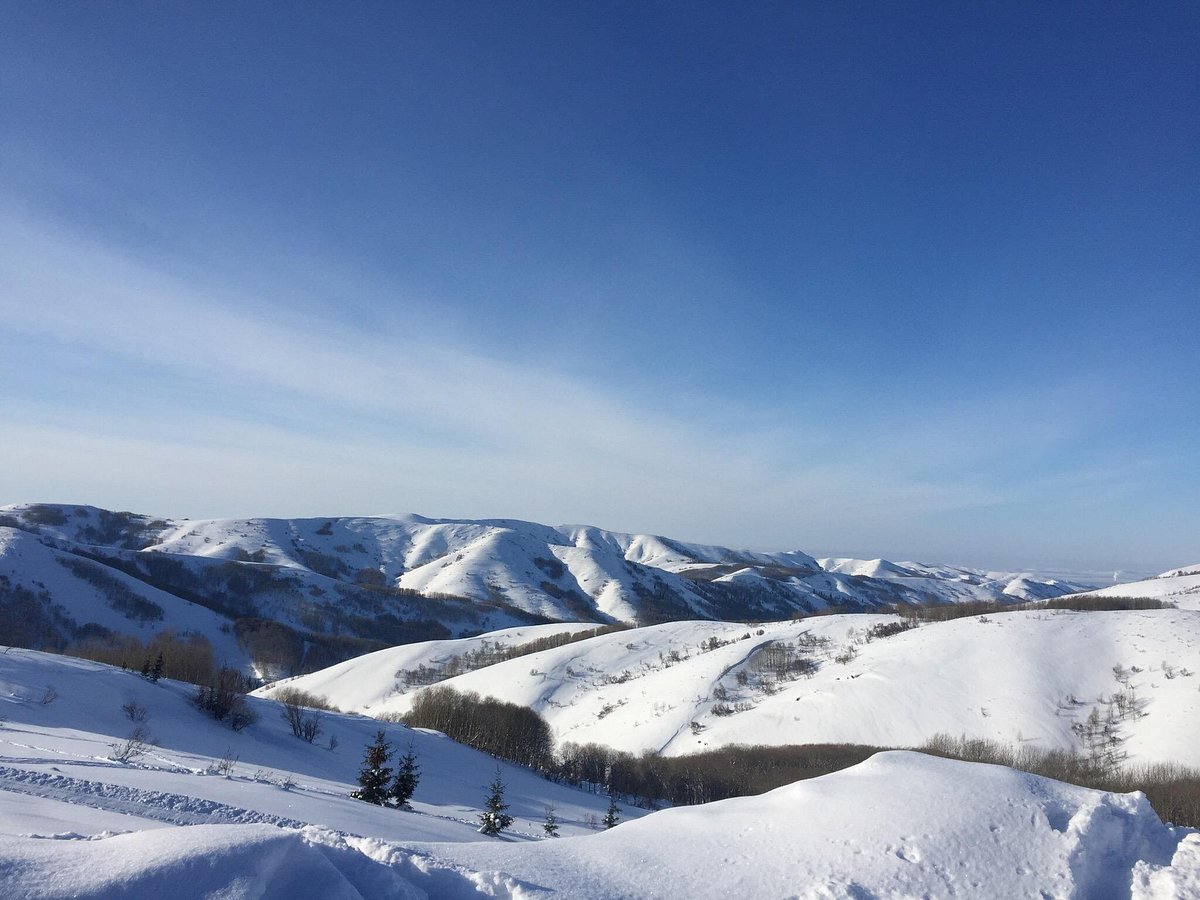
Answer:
(511, 732)
(224, 698)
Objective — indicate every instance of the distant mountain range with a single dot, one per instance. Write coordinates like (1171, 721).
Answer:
(328, 588)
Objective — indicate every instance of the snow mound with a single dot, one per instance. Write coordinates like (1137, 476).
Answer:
(227, 861)
(899, 825)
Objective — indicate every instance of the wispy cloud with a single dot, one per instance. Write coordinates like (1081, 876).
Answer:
(374, 420)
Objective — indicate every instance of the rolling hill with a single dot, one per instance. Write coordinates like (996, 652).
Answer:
(1030, 677)
(1179, 586)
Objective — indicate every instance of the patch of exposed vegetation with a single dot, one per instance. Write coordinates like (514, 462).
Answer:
(944, 612)
(186, 657)
(506, 730)
(31, 618)
(491, 652)
(117, 594)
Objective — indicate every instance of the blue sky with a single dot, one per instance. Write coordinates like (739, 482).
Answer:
(907, 280)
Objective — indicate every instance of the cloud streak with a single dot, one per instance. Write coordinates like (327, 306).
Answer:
(363, 419)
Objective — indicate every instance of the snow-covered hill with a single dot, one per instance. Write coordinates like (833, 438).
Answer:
(396, 579)
(280, 824)
(898, 825)
(1179, 586)
(1018, 677)
(58, 746)
(44, 590)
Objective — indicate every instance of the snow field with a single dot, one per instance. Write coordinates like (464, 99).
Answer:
(74, 823)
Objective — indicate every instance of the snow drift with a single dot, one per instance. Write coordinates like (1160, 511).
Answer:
(899, 825)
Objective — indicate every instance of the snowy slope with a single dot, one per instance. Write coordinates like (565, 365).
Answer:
(898, 825)
(362, 683)
(1178, 586)
(127, 606)
(1008, 676)
(61, 750)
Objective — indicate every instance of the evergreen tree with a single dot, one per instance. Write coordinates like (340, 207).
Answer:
(157, 671)
(407, 777)
(550, 826)
(494, 819)
(612, 815)
(376, 775)
(146, 667)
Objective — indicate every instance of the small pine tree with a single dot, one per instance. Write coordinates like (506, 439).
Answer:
(494, 819)
(146, 667)
(407, 777)
(550, 826)
(375, 777)
(612, 815)
(157, 672)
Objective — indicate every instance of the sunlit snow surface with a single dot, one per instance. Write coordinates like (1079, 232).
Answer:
(1017, 677)
(73, 823)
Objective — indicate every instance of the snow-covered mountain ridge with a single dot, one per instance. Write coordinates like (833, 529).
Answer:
(395, 579)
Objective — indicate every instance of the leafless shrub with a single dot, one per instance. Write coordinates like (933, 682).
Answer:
(304, 725)
(310, 727)
(298, 697)
(133, 747)
(887, 629)
(134, 711)
(224, 698)
(241, 716)
(224, 765)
